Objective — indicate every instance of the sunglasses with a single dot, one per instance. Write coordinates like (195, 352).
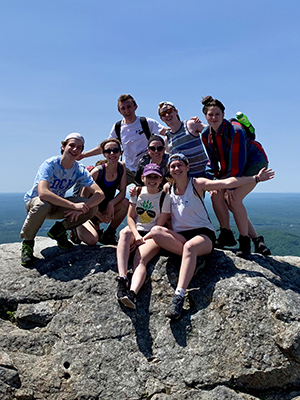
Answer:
(114, 151)
(158, 148)
(164, 113)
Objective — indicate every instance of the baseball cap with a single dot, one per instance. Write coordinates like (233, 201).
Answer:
(75, 135)
(178, 156)
(152, 169)
(165, 103)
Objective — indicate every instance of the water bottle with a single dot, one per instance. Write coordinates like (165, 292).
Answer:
(245, 121)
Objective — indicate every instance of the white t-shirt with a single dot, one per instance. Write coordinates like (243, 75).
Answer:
(148, 210)
(188, 211)
(134, 140)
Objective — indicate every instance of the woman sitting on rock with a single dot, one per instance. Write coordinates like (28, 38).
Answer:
(192, 234)
(148, 206)
(110, 175)
(232, 153)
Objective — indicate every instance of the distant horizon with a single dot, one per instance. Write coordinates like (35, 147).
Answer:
(253, 192)
(276, 216)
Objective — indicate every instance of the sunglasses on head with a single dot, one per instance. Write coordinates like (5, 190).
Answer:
(158, 148)
(164, 113)
(115, 150)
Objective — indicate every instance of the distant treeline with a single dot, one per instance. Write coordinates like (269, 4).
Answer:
(276, 216)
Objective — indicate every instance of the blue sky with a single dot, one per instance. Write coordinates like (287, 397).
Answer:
(64, 63)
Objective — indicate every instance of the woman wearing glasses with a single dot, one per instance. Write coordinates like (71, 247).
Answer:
(109, 175)
(155, 155)
(184, 137)
(192, 234)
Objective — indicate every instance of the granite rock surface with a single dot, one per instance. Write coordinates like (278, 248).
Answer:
(63, 335)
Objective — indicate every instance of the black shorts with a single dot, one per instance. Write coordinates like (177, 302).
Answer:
(190, 234)
(143, 233)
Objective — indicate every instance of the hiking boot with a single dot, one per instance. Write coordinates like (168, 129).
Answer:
(27, 257)
(74, 237)
(175, 309)
(59, 233)
(109, 237)
(260, 246)
(129, 300)
(122, 289)
(244, 250)
(226, 238)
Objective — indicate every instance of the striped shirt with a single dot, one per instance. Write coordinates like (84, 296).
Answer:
(191, 146)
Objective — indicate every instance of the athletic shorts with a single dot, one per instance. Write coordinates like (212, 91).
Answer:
(190, 234)
(143, 233)
(254, 169)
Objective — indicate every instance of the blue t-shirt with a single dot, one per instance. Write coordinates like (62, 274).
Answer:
(59, 178)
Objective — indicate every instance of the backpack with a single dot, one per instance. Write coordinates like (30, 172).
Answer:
(144, 124)
(250, 135)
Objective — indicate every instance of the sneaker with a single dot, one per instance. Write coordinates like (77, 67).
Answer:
(129, 300)
(27, 257)
(109, 237)
(58, 233)
(100, 234)
(260, 246)
(226, 238)
(244, 250)
(74, 237)
(175, 309)
(122, 289)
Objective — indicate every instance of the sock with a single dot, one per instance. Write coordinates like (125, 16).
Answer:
(180, 292)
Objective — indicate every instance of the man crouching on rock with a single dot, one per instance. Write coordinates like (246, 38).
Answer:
(46, 199)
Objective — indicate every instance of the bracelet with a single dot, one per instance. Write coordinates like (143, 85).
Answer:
(257, 178)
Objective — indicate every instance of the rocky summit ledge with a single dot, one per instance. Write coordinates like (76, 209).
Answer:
(63, 335)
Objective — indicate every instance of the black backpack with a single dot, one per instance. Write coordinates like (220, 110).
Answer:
(144, 124)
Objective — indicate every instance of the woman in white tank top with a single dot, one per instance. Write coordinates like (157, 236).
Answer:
(192, 235)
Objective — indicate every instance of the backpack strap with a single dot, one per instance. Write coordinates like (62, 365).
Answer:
(250, 135)
(118, 130)
(138, 191)
(120, 170)
(144, 124)
(100, 173)
(201, 199)
(161, 200)
(145, 127)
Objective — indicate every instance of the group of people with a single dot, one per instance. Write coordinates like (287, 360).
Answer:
(169, 167)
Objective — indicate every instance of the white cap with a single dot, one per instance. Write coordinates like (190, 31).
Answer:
(75, 135)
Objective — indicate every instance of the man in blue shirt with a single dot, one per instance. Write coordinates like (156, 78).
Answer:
(46, 199)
